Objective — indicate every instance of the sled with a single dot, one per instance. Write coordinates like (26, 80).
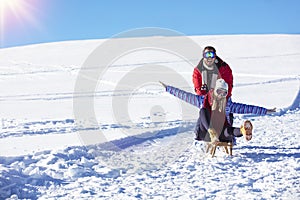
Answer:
(213, 146)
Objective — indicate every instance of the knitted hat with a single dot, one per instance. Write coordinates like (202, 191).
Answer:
(220, 104)
(221, 84)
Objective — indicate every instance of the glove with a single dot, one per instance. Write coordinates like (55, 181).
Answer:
(204, 89)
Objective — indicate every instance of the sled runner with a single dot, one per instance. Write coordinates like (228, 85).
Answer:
(213, 146)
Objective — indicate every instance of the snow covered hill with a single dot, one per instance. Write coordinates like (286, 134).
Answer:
(139, 143)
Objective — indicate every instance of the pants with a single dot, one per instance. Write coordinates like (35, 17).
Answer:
(204, 123)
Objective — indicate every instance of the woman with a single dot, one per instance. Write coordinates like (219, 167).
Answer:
(213, 123)
(212, 118)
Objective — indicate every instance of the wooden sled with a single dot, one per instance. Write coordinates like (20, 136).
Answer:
(213, 146)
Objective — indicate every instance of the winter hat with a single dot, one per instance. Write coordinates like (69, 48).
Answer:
(220, 104)
(221, 84)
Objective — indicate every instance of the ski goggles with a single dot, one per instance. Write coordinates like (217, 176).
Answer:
(209, 54)
(222, 92)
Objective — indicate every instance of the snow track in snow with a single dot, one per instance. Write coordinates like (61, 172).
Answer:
(256, 169)
(42, 154)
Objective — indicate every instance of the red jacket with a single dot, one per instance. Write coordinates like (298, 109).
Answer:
(224, 73)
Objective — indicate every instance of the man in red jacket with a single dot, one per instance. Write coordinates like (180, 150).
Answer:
(209, 69)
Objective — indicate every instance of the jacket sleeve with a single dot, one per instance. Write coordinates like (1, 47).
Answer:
(226, 73)
(240, 108)
(197, 80)
(188, 97)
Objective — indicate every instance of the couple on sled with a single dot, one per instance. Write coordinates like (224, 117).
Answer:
(212, 79)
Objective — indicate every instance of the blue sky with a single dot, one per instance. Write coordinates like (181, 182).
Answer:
(40, 21)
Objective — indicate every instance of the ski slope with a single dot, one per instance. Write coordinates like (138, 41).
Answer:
(140, 143)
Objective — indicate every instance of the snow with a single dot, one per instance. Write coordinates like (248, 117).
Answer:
(138, 142)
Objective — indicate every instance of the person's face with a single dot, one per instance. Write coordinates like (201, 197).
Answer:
(219, 98)
(209, 57)
(221, 93)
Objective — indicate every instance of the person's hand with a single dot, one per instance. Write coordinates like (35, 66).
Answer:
(271, 110)
(204, 89)
(163, 84)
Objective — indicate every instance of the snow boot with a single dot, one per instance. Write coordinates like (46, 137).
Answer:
(246, 130)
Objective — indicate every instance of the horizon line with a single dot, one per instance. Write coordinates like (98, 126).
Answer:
(136, 36)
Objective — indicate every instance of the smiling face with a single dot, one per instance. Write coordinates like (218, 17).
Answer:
(209, 57)
(221, 94)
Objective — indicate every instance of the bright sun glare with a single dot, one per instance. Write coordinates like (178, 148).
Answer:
(17, 13)
(9, 5)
